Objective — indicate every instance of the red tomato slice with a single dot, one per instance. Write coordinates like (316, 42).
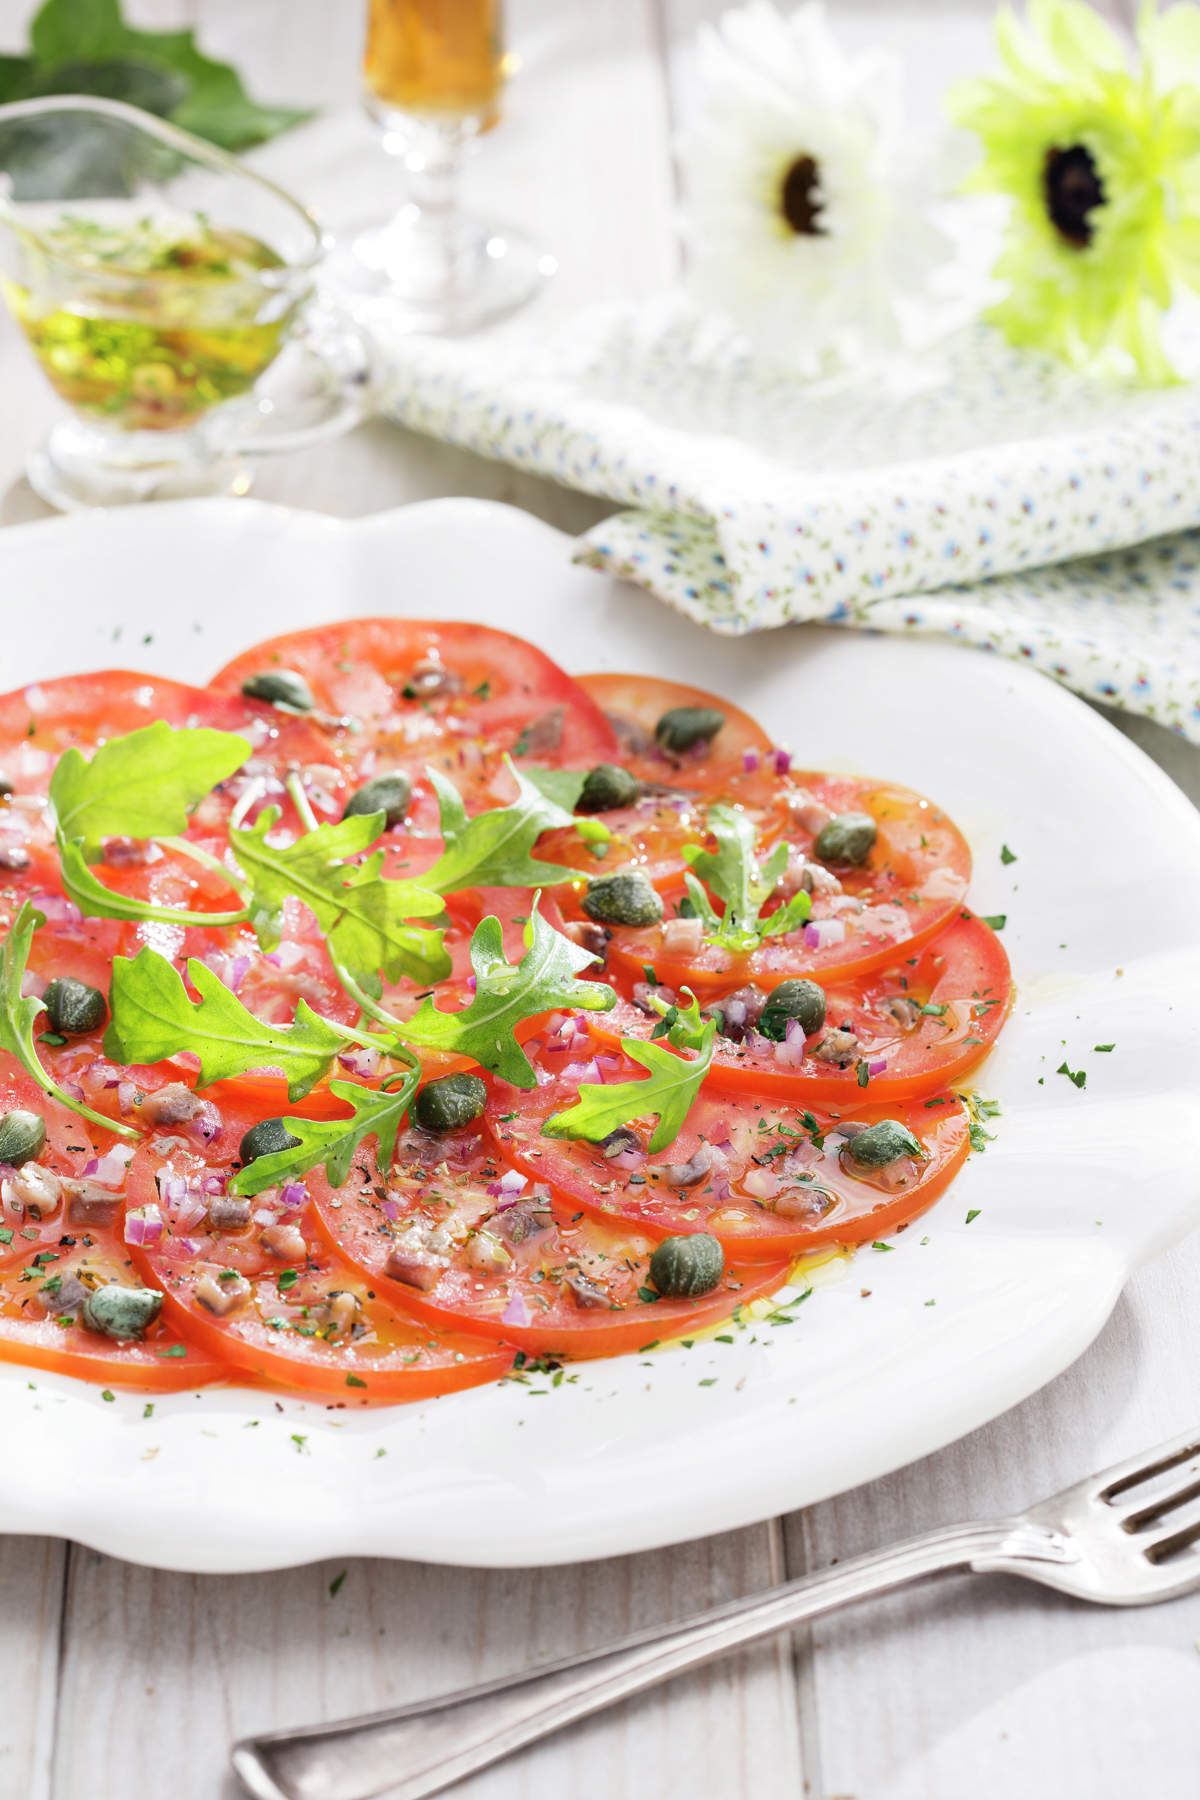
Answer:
(910, 887)
(928, 1019)
(457, 1239)
(298, 1314)
(425, 692)
(738, 766)
(746, 1167)
(57, 1240)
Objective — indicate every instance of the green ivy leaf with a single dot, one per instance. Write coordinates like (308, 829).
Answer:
(142, 785)
(213, 103)
(153, 1018)
(669, 1093)
(741, 883)
(18, 1013)
(364, 916)
(545, 978)
(377, 1112)
(494, 848)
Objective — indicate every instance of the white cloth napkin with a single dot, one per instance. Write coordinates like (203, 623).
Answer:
(950, 491)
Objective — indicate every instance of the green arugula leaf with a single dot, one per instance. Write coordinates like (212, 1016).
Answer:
(142, 785)
(363, 915)
(152, 1018)
(96, 901)
(206, 97)
(669, 1093)
(682, 1024)
(493, 849)
(741, 883)
(18, 1013)
(378, 1112)
(545, 978)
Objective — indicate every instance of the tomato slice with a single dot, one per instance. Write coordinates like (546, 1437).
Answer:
(909, 889)
(738, 766)
(766, 1178)
(456, 1237)
(916, 1026)
(404, 693)
(58, 1240)
(266, 1289)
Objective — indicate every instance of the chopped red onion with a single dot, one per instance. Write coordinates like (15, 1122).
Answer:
(721, 1189)
(90, 1166)
(608, 1064)
(293, 1194)
(264, 1216)
(790, 1053)
(390, 1209)
(629, 1158)
(191, 1211)
(172, 1187)
(470, 984)
(364, 1061)
(214, 1184)
(206, 1124)
(581, 1071)
(735, 1012)
(73, 1088)
(126, 1096)
(516, 1312)
(795, 1031)
(186, 1246)
(144, 1226)
(783, 761)
(878, 1066)
(32, 985)
(749, 761)
(57, 909)
(819, 933)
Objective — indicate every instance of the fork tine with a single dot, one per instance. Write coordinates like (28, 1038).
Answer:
(1124, 1475)
(1153, 1512)
(1163, 1548)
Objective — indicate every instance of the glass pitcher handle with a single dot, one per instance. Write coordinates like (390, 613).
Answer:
(318, 387)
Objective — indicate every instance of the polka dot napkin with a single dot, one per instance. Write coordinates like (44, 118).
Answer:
(967, 490)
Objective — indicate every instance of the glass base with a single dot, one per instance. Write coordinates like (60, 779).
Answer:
(448, 282)
(81, 465)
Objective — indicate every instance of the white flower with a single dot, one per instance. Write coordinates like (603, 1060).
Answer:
(809, 223)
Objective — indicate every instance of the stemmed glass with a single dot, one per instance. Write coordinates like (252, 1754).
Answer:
(434, 72)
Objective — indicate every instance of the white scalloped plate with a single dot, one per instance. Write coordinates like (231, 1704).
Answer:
(962, 1320)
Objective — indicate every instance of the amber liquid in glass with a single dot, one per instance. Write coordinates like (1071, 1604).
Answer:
(442, 59)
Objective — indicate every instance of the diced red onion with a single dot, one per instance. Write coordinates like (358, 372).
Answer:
(795, 1031)
(516, 1312)
(206, 1124)
(511, 1182)
(57, 909)
(90, 1166)
(186, 1246)
(630, 1158)
(73, 1088)
(579, 1043)
(390, 1209)
(608, 1064)
(721, 1189)
(749, 761)
(293, 1194)
(144, 1226)
(470, 984)
(783, 761)
(363, 1061)
(819, 933)
(878, 1066)
(126, 1096)
(582, 1071)
(172, 1187)
(190, 1211)
(790, 1053)
(735, 1012)
(32, 985)
(264, 1216)
(214, 1184)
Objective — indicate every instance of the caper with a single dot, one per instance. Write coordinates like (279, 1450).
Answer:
(73, 1007)
(6, 788)
(881, 1144)
(683, 727)
(606, 787)
(22, 1137)
(265, 1139)
(685, 1266)
(802, 1000)
(388, 794)
(121, 1312)
(627, 898)
(280, 687)
(446, 1104)
(847, 838)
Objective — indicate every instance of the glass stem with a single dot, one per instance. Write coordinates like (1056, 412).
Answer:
(433, 163)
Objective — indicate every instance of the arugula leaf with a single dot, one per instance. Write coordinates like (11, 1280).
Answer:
(682, 1024)
(141, 785)
(545, 978)
(670, 1091)
(363, 915)
(213, 103)
(152, 1018)
(741, 883)
(493, 849)
(96, 901)
(376, 1112)
(18, 1012)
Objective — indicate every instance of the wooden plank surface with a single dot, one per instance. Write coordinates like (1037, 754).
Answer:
(952, 1691)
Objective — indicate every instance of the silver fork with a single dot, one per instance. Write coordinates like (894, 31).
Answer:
(1098, 1541)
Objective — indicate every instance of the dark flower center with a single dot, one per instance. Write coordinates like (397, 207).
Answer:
(1073, 191)
(800, 199)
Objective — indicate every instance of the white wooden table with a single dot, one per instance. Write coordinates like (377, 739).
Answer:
(119, 1683)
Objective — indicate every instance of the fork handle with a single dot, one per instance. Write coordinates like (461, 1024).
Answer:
(419, 1749)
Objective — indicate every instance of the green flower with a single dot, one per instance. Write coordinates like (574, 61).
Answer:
(1102, 166)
